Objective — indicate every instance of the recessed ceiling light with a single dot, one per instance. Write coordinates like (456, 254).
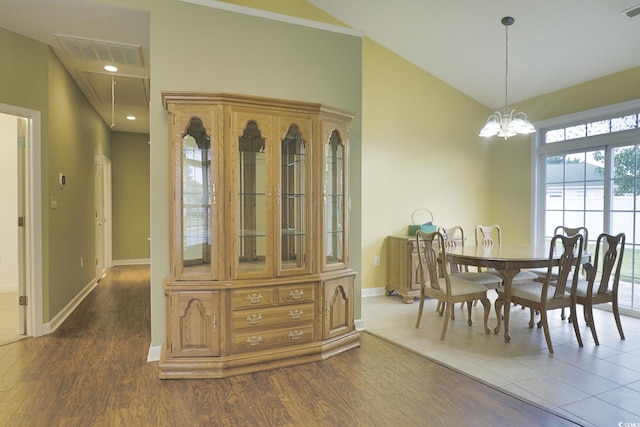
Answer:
(111, 68)
(131, 117)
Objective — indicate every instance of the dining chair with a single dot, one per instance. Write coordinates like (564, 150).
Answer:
(544, 294)
(490, 235)
(435, 281)
(566, 231)
(589, 292)
(454, 236)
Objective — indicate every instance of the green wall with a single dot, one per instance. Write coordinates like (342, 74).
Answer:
(131, 203)
(75, 133)
(71, 131)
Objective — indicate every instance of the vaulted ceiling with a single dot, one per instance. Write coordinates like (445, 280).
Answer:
(552, 45)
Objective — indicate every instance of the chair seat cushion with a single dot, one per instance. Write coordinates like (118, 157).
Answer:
(522, 276)
(462, 287)
(581, 288)
(491, 281)
(542, 272)
(532, 291)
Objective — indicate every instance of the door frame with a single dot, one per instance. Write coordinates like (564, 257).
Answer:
(33, 218)
(98, 202)
(107, 210)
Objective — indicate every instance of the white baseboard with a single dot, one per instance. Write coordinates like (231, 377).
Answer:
(154, 353)
(131, 261)
(9, 287)
(372, 292)
(69, 308)
(359, 323)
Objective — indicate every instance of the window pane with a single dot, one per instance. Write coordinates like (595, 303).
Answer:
(555, 197)
(555, 135)
(553, 219)
(579, 131)
(623, 222)
(573, 218)
(594, 222)
(554, 171)
(598, 128)
(624, 123)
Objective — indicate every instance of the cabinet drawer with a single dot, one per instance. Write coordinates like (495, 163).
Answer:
(256, 341)
(256, 297)
(256, 318)
(296, 293)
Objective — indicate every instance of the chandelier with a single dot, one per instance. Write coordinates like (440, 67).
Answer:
(509, 122)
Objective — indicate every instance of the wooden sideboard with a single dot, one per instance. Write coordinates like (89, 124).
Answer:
(402, 268)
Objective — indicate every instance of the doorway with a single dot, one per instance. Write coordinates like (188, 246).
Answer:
(21, 228)
(11, 135)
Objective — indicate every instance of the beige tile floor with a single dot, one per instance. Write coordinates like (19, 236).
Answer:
(598, 384)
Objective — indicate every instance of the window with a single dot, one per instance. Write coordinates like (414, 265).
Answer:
(588, 173)
(600, 127)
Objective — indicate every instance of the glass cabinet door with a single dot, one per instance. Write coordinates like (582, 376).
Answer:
(196, 197)
(254, 201)
(194, 238)
(335, 200)
(294, 215)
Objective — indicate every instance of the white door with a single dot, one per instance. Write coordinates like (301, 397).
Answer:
(99, 215)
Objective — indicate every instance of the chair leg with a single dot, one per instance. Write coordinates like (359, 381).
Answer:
(498, 306)
(545, 327)
(420, 309)
(531, 316)
(440, 307)
(469, 321)
(584, 313)
(616, 315)
(588, 311)
(447, 315)
(574, 315)
(487, 308)
(562, 316)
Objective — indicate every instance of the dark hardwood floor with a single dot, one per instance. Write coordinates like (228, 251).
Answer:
(93, 372)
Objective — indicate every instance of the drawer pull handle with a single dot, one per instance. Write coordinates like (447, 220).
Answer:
(254, 298)
(296, 294)
(295, 335)
(295, 314)
(254, 341)
(254, 319)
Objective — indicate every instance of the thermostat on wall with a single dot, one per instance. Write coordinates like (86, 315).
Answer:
(62, 180)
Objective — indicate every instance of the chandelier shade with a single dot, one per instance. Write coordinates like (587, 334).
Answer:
(509, 122)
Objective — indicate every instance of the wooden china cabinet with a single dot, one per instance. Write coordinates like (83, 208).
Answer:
(259, 269)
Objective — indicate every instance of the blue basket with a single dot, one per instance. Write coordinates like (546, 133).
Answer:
(427, 227)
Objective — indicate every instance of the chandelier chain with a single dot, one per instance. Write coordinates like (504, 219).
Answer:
(506, 68)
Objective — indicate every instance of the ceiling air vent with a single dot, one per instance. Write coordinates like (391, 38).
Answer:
(101, 50)
(632, 11)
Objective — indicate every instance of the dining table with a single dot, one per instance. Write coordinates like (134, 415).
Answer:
(507, 260)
